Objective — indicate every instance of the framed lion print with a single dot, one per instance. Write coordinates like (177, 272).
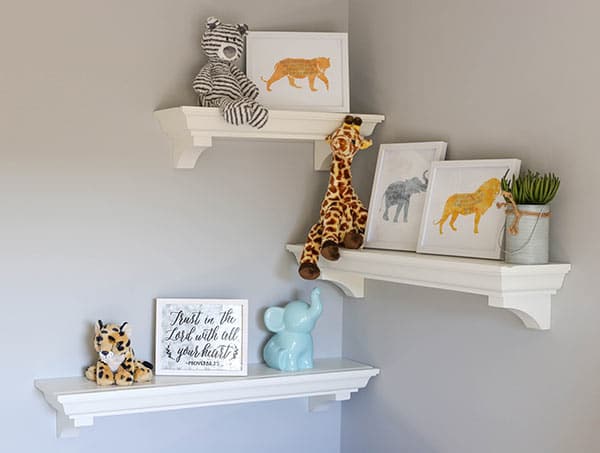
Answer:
(300, 71)
(461, 215)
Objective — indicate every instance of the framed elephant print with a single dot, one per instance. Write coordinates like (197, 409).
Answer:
(202, 337)
(398, 194)
(300, 71)
(461, 216)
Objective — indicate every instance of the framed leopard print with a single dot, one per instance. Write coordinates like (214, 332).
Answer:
(300, 71)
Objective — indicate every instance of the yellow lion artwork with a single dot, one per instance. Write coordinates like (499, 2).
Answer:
(477, 203)
(299, 68)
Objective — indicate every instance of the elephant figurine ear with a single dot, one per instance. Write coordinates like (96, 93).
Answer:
(274, 319)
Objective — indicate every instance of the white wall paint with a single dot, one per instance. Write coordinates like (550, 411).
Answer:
(494, 79)
(96, 223)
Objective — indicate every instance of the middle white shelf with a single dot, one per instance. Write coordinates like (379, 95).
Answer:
(526, 290)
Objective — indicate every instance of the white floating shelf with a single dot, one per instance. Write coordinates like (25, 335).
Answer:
(524, 290)
(78, 401)
(192, 129)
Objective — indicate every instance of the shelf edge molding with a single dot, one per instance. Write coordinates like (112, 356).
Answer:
(525, 290)
(191, 130)
(78, 402)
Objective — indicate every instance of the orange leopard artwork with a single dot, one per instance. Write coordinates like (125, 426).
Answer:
(477, 203)
(299, 68)
(343, 216)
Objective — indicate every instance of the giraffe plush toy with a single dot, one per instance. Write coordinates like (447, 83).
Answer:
(343, 216)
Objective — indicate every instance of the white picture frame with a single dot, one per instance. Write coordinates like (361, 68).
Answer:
(272, 56)
(398, 194)
(457, 189)
(201, 337)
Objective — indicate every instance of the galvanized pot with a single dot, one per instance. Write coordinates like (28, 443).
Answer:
(530, 244)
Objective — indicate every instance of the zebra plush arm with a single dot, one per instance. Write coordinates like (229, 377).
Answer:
(249, 89)
(203, 83)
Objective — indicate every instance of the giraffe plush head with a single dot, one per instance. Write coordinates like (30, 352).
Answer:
(346, 140)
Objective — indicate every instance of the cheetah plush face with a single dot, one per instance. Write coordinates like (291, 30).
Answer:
(223, 42)
(112, 343)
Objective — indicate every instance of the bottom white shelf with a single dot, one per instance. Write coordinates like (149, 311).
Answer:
(78, 401)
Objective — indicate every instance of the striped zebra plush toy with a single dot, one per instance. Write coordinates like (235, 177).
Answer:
(222, 84)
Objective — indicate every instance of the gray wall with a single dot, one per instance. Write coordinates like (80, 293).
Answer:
(495, 79)
(96, 223)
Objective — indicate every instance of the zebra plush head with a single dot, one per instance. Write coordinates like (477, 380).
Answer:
(223, 42)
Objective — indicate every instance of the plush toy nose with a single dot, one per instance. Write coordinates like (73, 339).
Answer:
(104, 353)
(229, 51)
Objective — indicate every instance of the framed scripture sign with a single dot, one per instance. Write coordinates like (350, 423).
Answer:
(202, 337)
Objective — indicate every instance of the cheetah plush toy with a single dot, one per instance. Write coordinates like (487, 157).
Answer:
(116, 363)
(220, 83)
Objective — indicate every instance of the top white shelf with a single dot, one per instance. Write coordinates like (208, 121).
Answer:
(526, 290)
(192, 129)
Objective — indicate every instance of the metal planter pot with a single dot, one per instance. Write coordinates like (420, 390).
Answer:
(531, 243)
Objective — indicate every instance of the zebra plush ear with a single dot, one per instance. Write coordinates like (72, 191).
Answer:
(212, 23)
(242, 28)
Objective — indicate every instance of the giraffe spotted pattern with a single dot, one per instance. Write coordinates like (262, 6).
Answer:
(343, 217)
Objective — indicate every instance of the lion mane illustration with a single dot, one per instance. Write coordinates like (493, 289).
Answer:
(477, 203)
(300, 68)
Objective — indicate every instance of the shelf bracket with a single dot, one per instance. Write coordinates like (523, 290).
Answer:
(322, 155)
(321, 403)
(188, 148)
(534, 309)
(352, 285)
(67, 427)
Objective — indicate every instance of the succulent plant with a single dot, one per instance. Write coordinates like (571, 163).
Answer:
(532, 187)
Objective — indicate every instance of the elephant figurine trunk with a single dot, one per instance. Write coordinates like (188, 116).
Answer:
(291, 348)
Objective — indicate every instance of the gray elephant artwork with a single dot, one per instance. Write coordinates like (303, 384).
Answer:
(398, 194)
(291, 348)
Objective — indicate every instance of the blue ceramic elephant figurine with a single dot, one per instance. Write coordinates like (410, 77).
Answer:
(291, 348)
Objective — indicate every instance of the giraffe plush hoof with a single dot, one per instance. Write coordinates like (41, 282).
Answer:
(309, 271)
(330, 251)
(353, 240)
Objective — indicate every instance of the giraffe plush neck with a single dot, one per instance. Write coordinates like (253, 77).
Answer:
(343, 216)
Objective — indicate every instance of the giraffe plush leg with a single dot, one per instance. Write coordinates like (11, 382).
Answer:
(354, 238)
(331, 232)
(308, 269)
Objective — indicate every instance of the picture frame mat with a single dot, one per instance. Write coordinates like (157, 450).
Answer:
(513, 166)
(251, 53)
(408, 244)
